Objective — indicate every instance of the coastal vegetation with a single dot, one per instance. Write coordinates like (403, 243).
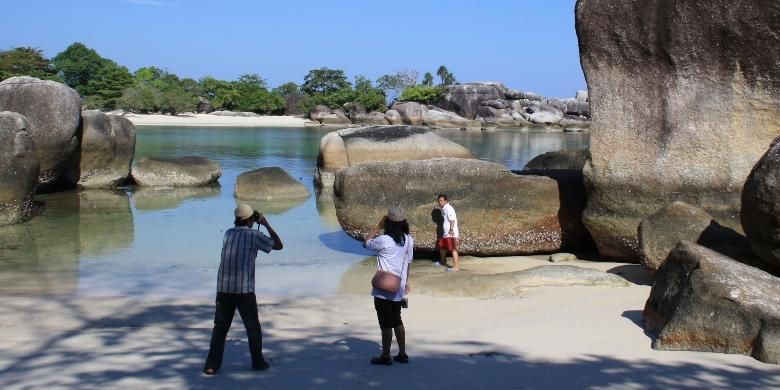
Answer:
(106, 85)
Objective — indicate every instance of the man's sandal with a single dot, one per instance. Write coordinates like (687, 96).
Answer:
(401, 358)
(381, 360)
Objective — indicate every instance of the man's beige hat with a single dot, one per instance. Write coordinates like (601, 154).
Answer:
(243, 211)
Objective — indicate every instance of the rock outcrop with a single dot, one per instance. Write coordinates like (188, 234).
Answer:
(53, 112)
(18, 168)
(437, 118)
(660, 232)
(683, 107)
(270, 183)
(348, 147)
(704, 301)
(499, 212)
(188, 171)
(484, 105)
(760, 215)
(465, 99)
(105, 151)
(571, 159)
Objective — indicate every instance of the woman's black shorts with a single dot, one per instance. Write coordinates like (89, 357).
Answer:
(388, 313)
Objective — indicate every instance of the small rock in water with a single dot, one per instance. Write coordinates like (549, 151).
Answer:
(559, 257)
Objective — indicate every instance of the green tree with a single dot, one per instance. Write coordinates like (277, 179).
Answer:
(142, 99)
(293, 97)
(77, 65)
(427, 80)
(445, 76)
(177, 100)
(324, 81)
(106, 86)
(25, 61)
(208, 87)
(394, 84)
(368, 96)
(422, 94)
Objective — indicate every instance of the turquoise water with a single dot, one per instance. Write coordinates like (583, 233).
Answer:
(166, 242)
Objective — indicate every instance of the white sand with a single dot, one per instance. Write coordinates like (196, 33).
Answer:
(551, 337)
(214, 120)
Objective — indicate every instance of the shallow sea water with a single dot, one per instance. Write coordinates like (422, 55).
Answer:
(141, 242)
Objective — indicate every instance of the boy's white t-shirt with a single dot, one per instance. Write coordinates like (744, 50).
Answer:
(449, 215)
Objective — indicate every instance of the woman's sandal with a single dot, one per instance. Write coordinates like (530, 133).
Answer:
(210, 371)
(381, 360)
(401, 358)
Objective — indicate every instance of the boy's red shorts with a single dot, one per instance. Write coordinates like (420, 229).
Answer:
(448, 243)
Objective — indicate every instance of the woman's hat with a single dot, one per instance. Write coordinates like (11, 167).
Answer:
(395, 214)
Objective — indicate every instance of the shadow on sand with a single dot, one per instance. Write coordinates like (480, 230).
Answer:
(163, 346)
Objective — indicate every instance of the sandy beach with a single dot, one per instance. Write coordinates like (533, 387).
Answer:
(189, 119)
(542, 338)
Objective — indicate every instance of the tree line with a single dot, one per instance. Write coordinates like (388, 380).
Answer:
(103, 84)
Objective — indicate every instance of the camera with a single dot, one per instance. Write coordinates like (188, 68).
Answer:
(404, 303)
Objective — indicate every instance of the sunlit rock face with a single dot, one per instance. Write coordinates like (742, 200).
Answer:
(499, 212)
(348, 147)
(685, 98)
(186, 171)
(53, 110)
(704, 301)
(269, 184)
(105, 151)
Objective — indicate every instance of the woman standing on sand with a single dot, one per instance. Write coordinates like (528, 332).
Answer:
(394, 251)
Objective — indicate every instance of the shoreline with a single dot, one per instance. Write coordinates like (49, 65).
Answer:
(206, 120)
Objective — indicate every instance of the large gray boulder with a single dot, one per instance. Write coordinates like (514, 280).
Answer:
(544, 113)
(105, 152)
(704, 301)
(188, 171)
(393, 117)
(760, 215)
(499, 212)
(269, 183)
(439, 118)
(53, 111)
(683, 106)
(465, 99)
(411, 113)
(660, 232)
(373, 118)
(18, 168)
(347, 147)
(573, 159)
(495, 116)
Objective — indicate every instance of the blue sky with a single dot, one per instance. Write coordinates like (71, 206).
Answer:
(529, 45)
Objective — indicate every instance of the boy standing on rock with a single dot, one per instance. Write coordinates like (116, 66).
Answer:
(449, 240)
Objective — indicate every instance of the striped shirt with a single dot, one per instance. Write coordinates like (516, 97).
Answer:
(239, 251)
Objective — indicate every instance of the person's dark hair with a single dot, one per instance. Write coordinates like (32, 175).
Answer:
(442, 196)
(397, 231)
(242, 222)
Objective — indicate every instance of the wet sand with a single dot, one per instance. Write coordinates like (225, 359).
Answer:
(544, 337)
